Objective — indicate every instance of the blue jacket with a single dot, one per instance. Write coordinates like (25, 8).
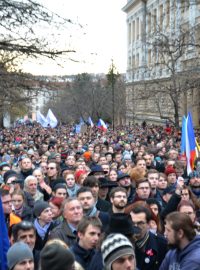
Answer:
(186, 259)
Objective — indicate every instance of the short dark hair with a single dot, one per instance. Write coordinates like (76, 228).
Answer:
(90, 181)
(117, 189)
(83, 190)
(24, 226)
(143, 209)
(86, 221)
(181, 221)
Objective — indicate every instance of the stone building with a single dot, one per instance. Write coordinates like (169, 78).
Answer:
(162, 60)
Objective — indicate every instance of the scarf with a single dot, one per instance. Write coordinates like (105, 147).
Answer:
(73, 190)
(19, 211)
(140, 243)
(41, 230)
(92, 212)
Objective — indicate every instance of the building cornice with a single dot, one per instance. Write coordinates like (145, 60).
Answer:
(130, 4)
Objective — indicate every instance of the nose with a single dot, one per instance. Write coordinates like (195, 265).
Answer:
(127, 264)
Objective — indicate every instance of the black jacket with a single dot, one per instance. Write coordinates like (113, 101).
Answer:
(64, 233)
(82, 256)
(103, 205)
(152, 255)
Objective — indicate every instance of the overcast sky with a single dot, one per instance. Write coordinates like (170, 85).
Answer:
(102, 38)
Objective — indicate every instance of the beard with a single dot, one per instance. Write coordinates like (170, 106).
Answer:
(120, 206)
(176, 243)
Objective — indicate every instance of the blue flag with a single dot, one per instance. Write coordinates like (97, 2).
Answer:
(4, 240)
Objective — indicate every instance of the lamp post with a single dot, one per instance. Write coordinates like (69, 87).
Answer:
(112, 77)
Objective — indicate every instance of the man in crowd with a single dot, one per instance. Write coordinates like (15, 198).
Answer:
(72, 214)
(118, 253)
(181, 237)
(150, 249)
(89, 232)
(118, 198)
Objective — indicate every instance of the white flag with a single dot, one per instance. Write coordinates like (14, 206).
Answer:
(41, 119)
(51, 119)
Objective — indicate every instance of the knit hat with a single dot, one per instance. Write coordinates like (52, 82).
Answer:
(18, 253)
(56, 257)
(169, 170)
(39, 207)
(114, 247)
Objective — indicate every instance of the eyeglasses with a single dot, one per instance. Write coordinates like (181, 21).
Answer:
(120, 196)
(139, 223)
(7, 202)
(51, 168)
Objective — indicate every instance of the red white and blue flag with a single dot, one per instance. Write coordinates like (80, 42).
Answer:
(101, 125)
(188, 143)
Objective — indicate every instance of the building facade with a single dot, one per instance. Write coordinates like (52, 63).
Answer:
(162, 59)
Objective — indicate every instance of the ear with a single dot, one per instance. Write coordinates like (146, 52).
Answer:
(180, 233)
(79, 234)
(111, 200)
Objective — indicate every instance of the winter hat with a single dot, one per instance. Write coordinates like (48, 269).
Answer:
(39, 207)
(170, 170)
(8, 174)
(56, 257)
(18, 253)
(114, 247)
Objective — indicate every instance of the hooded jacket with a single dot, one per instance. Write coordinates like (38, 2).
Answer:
(187, 258)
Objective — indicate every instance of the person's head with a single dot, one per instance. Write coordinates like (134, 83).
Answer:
(167, 193)
(20, 257)
(60, 191)
(124, 180)
(93, 183)
(56, 256)
(86, 198)
(113, 175)
(25, 232)
(118, 253)
(69, 179)
(141, 216)
(72, 211)
(18, 198)
(171, 175)
(26, 164)
(141, 163)
(56, 206)
(52, 170)
(106, 168)
(80, 176)
(38, 173)
(188, 208)
(162, 181)
(194, 180)
(89, 232)
(143, 189)
(118, 198)
(70, 160)
(154, 205)
(173, 154)
(42, 211)
(30, 184)
(153, 177)
(179, 229)
(6, 201)
(186, 193)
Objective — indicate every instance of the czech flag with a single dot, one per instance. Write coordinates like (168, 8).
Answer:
(101, 125)
(190, 143)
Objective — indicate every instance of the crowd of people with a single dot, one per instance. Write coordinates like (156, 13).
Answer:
(114, 200)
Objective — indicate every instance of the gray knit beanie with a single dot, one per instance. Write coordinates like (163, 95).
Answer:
(114, 247)
(17, 253)
(39, 207)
